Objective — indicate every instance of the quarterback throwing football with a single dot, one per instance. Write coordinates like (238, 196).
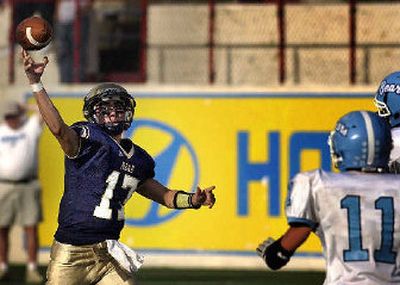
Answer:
(102, 170)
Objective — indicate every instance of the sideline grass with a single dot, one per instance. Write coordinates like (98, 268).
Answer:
(163, 276)
(227, 277)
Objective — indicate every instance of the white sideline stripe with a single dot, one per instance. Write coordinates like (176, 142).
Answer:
(371, 137)
(30, 38)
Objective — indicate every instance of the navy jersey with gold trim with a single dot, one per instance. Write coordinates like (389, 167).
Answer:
(98, 183)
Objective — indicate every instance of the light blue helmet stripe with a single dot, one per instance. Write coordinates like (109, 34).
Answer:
(370, 136)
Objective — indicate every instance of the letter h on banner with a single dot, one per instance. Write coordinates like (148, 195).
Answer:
(248, 171)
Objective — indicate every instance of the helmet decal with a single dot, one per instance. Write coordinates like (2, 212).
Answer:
(385, 87)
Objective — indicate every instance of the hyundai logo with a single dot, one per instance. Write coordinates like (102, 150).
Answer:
(171, 154)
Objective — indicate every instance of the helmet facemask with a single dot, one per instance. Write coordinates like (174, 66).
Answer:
(336, 157)
(111, 107)
(383, 109)
(113, 115)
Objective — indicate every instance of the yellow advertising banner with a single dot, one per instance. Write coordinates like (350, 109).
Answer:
(246, 144)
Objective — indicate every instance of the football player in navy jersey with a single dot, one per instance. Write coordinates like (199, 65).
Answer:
(102, 170)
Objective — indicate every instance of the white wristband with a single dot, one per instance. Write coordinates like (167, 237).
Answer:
(37, 87)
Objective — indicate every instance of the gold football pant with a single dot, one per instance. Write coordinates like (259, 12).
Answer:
(84, 265)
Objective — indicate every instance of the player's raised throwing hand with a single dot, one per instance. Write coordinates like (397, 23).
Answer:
(34, 70)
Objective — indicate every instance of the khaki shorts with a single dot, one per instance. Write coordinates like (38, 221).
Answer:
(20, 203)
(87, 264)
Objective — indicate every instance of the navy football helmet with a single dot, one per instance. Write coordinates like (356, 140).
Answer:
(387, 98)
(361, 140)
(105, 98)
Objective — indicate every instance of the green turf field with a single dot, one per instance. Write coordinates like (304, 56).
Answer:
(158, 276)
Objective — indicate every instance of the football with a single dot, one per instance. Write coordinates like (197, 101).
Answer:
(34, 33)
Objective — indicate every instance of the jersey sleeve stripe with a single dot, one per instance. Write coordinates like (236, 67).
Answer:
(307, 222)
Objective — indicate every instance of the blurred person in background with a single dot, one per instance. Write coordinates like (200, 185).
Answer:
(66, 16)
(19, 185)
(387, 101)
(102, 171)
(353, 212)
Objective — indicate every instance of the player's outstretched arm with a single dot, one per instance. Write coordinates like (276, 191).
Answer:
(277, 253)
(175, 199)
(67, 138)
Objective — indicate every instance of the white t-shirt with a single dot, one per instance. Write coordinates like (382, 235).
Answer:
(19, 150)
(357, 218)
